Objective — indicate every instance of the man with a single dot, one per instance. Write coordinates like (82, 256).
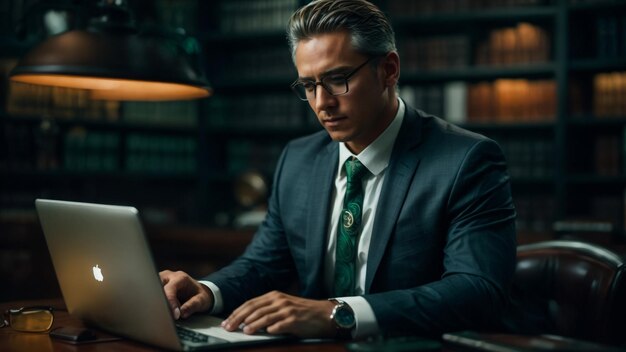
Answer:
(422, 241)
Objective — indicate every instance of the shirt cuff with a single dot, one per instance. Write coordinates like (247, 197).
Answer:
(366, 324)
(218, 302)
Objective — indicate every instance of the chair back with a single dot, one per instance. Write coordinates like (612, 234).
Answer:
(584, 285)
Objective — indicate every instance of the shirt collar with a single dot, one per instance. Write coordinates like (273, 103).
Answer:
(376, 156)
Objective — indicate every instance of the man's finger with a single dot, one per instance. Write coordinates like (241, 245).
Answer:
(237, 317)
(194, 304)
(172, 299)
(262, 322)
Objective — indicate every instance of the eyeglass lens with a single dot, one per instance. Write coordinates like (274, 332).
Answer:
(31, 320)
(333, 85)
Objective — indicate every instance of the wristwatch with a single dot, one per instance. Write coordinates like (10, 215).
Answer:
(343, 317)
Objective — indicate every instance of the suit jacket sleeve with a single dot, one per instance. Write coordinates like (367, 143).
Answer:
(266, 264)
(478, 255)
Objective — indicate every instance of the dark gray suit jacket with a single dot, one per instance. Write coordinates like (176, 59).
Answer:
(443, 246)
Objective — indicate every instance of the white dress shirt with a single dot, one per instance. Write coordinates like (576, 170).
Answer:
(376, 159)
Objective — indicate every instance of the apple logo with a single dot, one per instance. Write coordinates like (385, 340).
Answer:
(97, 273)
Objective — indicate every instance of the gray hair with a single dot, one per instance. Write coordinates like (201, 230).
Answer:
(370, 30)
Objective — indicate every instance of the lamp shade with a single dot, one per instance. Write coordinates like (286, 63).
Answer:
(113, 65)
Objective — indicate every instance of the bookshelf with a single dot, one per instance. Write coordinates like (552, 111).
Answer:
(544, 78)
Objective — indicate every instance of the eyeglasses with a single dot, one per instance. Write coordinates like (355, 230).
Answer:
(29, 319)
(334, 84)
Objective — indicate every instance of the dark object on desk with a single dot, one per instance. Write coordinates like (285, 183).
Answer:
(395, 344)
(474, 341)
(75, 334)
(579, 286)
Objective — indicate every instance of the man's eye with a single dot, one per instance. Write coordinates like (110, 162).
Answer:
(308, 86)
(335, 80)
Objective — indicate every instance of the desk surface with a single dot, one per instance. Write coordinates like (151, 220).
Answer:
(11, 340)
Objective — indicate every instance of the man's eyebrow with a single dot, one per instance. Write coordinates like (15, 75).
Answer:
(341, 69)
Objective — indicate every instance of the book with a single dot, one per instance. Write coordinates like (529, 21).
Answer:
(455, 102)
(496, 342)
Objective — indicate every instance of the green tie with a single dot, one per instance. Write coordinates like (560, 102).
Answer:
(348, 231)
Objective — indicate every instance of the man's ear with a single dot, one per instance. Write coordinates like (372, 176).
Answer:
(390, 69)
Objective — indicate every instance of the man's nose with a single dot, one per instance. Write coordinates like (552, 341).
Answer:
(323, 99)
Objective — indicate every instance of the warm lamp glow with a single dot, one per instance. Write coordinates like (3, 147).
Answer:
(114, 62)
(118, 89)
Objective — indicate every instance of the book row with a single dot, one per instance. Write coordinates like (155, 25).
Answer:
(436, 52)
(535, 213)
(246, 16)
(421, 7)
(160, 154)
(576, 2)
(500, 101)
(607, 155)
(66, 103)
(524, 43)
(270, 63)
(83, 150)
(611, 36)
(609, 94)
(529, 157)
(269, 110)
(245, 155)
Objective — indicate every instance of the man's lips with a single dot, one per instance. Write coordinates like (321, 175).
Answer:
(333, 121)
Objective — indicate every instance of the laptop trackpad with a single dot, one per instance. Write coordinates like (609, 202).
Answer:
(210, 325)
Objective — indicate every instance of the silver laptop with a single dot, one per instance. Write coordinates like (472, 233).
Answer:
(108, 278)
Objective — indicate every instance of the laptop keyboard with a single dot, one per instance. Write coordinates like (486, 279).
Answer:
(188, 336)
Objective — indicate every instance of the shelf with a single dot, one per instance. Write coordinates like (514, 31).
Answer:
(266, 132)
(596, 180)
(600, 122)
(103, 124)
(510, 126)
(552, 147)
(108, 176)
(13, 48)
(236, 39)
(263, 84)
(471, 17)
(598, 64)
(532, 181)
(477, 73)
(597, 5)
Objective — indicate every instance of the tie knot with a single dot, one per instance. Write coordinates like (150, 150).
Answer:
(355, 171)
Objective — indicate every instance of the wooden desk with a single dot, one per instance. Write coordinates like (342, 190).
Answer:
(11, 340)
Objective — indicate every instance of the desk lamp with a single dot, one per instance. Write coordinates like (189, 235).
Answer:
(114, 61)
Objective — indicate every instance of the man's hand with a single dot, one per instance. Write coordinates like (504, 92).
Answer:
(279, 313)
(180, 287)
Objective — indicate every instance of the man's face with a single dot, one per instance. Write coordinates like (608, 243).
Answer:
(363, 113)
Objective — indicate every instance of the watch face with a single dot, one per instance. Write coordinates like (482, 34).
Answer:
(344, 318)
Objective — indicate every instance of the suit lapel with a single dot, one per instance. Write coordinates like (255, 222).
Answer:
(400, 172)
(323, 175)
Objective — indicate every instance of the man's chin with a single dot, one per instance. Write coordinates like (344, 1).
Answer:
(338, 136)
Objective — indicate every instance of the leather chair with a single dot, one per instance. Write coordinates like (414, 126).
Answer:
(582, 285)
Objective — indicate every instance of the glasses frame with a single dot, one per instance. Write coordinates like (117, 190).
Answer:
(5, 318)
(346, 78)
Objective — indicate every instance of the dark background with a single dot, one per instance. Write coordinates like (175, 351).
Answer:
(544, 78)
